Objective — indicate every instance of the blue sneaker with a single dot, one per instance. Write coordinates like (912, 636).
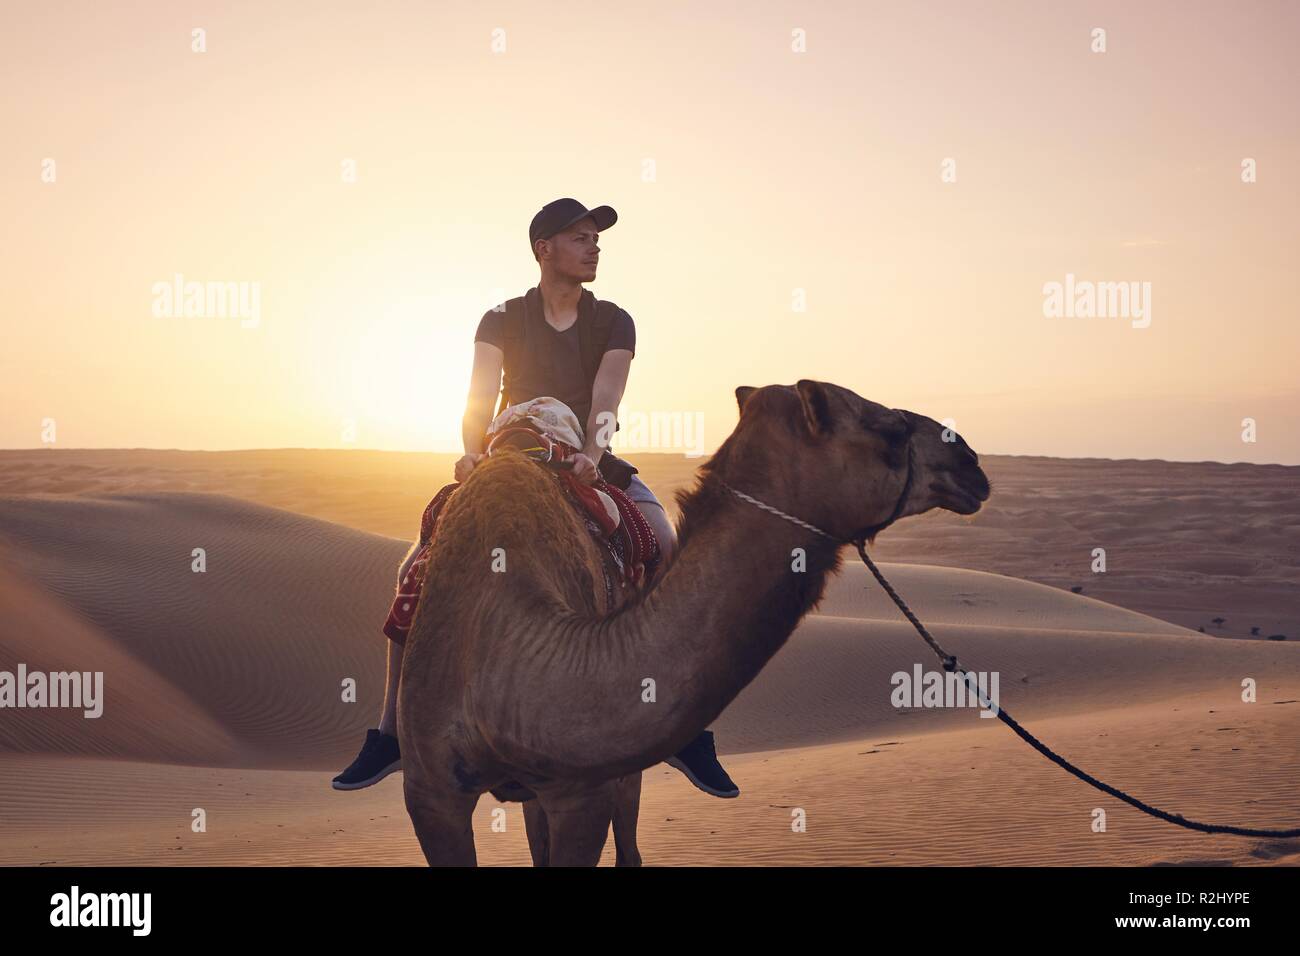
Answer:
(378, 758)
(699, 761)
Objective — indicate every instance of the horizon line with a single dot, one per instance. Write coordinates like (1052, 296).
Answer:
(665, 454)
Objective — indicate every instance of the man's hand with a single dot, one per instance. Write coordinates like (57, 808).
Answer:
(466, 464)
(584, 469)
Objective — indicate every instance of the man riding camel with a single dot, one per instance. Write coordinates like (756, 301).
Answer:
(547, 342)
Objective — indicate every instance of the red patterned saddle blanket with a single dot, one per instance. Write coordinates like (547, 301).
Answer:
(630, 543)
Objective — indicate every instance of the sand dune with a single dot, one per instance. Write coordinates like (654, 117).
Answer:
(1185, 541)
(223, 691)
(960, 797)
(260, 642)
(289, 606)
(149, 717)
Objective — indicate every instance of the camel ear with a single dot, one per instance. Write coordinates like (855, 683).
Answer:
(742, 395)
(816, 407)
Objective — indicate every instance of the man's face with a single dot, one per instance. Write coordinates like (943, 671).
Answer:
(574, 253)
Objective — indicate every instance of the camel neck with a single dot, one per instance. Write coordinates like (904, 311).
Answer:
(639, 684)
(734, 593)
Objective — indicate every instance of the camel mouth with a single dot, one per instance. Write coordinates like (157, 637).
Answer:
(964, 497)
(965, 503)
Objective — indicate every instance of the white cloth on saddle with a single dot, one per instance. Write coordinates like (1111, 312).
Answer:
(556, 421)
(550, 416)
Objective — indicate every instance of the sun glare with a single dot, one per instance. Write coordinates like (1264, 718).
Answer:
(409, 377)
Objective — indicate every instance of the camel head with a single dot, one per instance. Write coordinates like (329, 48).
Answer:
(847, 465)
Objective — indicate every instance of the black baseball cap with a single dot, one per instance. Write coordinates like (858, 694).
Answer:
(559, 215)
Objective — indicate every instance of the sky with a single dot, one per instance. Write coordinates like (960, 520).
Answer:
(871, 194)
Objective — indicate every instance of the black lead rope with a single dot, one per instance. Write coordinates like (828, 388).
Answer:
(951, 664)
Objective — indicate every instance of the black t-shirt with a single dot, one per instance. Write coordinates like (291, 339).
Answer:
(557, 369)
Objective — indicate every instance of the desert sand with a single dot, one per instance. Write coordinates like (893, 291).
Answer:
(223, 688)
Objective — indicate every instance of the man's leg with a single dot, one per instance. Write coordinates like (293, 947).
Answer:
(380, 754)
(388, 714)
(697, 760)
(657, 518)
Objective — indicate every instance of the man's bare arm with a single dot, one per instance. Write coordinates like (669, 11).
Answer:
(484, 387)
(606, 394)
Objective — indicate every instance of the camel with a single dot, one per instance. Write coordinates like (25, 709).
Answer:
(516, 680)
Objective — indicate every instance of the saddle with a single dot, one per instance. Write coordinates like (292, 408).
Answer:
(611, 517)
(555, 421)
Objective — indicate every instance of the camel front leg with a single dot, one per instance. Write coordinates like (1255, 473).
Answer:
(578, 823)
(539, 834)
(443, 824)
(627, 807)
